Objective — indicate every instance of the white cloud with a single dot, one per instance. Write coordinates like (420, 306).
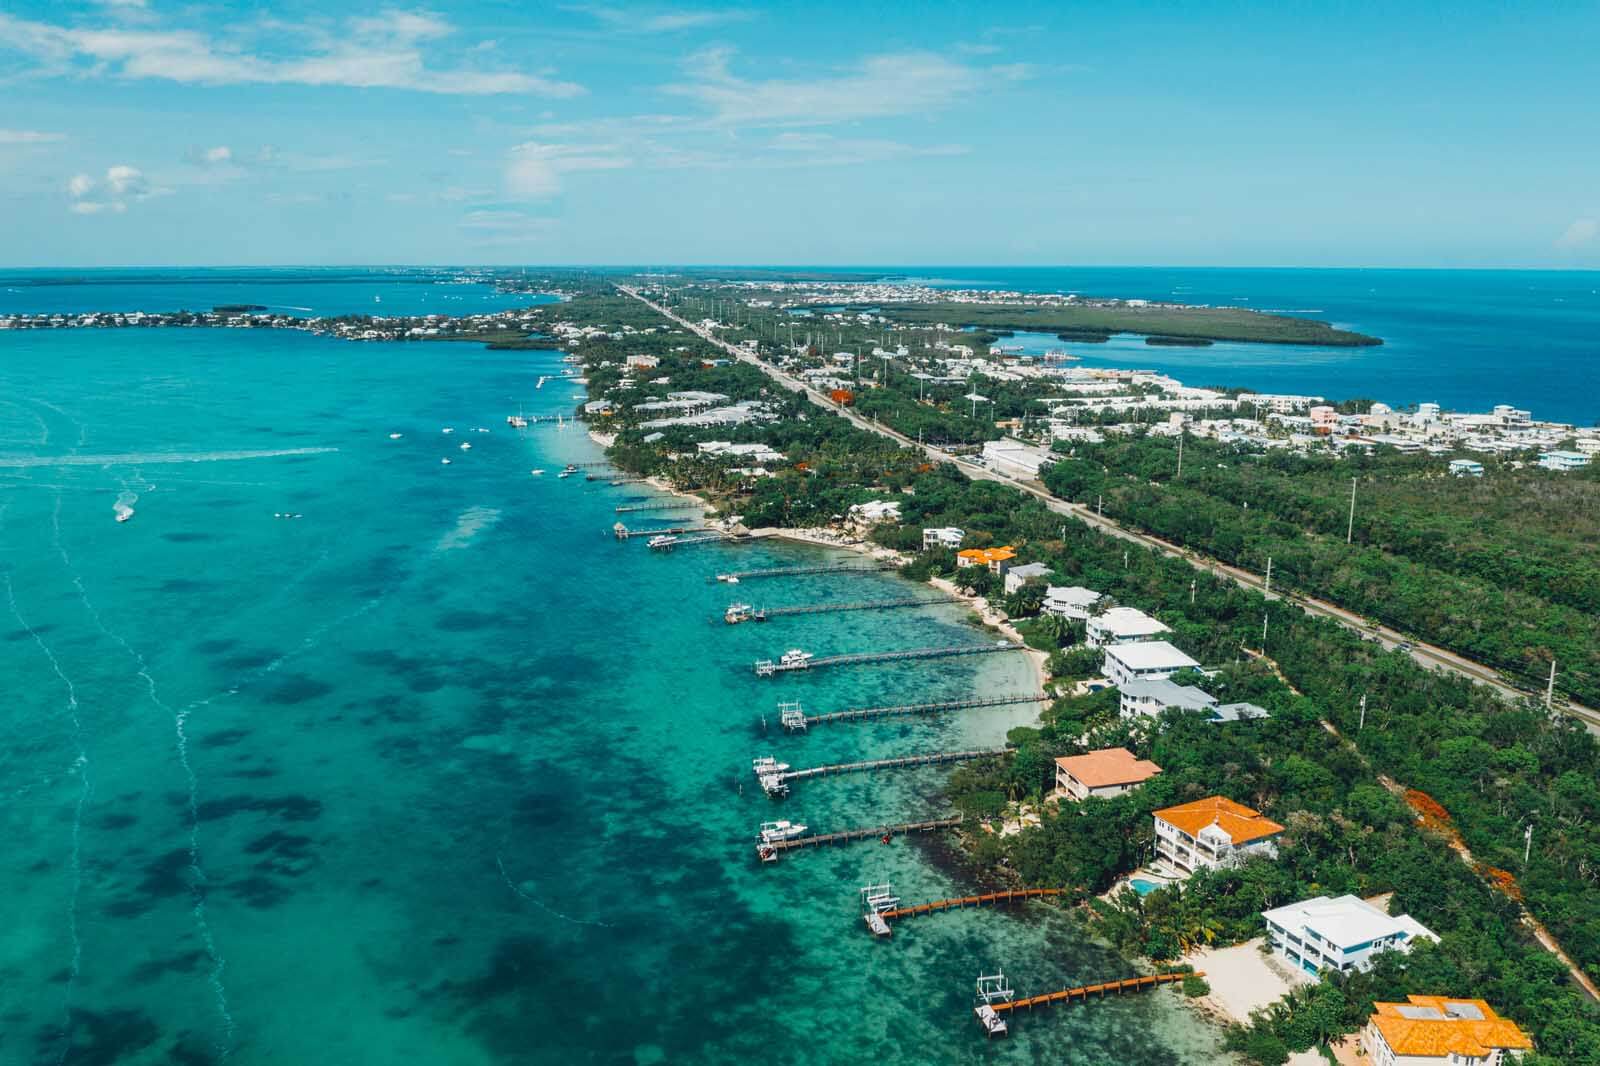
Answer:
(1582, 232)
(29, 137)
(638, 21)
(220, 154)
(385, 51)
(903, 83)
(826, 149)
(490, 228)
(535, 171)
(122, 185)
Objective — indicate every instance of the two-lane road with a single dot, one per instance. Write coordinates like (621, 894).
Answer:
(1428, 655)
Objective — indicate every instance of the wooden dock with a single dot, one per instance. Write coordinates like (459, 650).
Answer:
(768, 668)
(795, 571)
(960, 902)
(1084, 992)
(818, 840)
(622, 532)
(803, 721)
(742, 613)
(932, 758)
(661, 505)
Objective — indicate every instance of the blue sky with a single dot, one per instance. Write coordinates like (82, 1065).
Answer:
(154, 132)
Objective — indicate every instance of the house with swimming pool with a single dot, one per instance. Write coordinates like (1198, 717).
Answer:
(1344, 933)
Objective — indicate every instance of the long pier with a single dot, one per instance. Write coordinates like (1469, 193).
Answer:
(622, 532)
(768, 668)
(661, 505)
(744, 613)
(794, 571)
(802, 721)
(960, 902)
(1083, 992)
(713, 537)
(932, 758)
(846, 836)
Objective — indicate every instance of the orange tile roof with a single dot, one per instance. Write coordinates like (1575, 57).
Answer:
(989, 555)
(1241, 823)
(1107, 767)
(1444, 1034)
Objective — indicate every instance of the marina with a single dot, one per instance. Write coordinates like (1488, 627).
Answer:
(803, 660)
(794, 719)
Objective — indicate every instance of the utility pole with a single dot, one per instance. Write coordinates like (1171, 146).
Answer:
(1550, 689)
(1263, 633)
(1192, 584)
(1527, 844)
(1124, 558)
(1363, 723)
(1099, 507)
(1267, 589)
(1180, 454)
(1350, 529)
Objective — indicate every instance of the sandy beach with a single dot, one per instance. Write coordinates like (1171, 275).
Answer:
(1242, 979)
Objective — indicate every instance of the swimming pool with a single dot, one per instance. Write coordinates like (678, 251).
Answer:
(1144, 887)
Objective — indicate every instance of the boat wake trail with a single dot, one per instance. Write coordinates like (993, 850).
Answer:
(517, 890)
(140, 458)
(80, 766)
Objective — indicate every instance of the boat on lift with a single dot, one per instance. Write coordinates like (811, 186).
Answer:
(773, 832)
(663, 542)
(795, 658)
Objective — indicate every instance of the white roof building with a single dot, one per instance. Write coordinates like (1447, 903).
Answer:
(1563, 460)
(943, 537)
(1014, 458)
(1018, 576)
(1151, 660)
(1123, 625)
(1339, 934)
(1070, 601)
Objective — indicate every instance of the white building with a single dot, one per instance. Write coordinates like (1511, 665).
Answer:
(1150, 698)
(1466, 468)
(1018, 576)
(1212, 832)
(945, 537)
(1150, 660)
(1436, 1030)
(1123, 625)
(1070, 601)
(1563, 461)
(875, 511)
(1014, 458)
(1339, 934)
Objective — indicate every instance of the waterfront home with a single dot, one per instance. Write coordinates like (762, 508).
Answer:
(1018, 576)
(1426, 1030)
(1070, 601)
(1150, 698)
(1123, 625)
(1150, 660)
(1105, 773)
(1341, 934)
(643, 362)
(998, 560)
(872, 512)
(1563, 461)
(1213, 832)
(943, 537)
(603, 408)
(1466, 468)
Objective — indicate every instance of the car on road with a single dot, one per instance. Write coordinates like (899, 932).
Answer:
(1406, 646)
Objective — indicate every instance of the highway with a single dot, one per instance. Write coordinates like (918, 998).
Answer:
(1427, 655)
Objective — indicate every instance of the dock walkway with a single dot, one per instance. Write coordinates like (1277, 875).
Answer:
(855, 714)
(768, 668)
(744, 613)
(1083, 992)
(795, 571)
(932, 758)
(959, 902)
(661, 505)
(847, 836)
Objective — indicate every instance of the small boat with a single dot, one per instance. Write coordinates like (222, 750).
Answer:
(516, 421)
(445, 462)
(772, 832)
(565, 473)
(124, 512)
(737, 612)
(795, 657)
(480, 429)
(767, 765)
(537, 472)
(465, 446)
(662, 542)
(448, 429)
(394, 436)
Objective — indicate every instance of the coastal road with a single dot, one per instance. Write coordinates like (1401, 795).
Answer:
(1428, 655)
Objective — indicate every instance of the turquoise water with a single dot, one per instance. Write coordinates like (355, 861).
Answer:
(1143, 887)
(440, 772)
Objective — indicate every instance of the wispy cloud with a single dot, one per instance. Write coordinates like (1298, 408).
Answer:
(380, 51)
(879, 86)
(536, 171)
(29, 137)
(824, 149)
(499, 227)
(641, 20)
(113, 193)
(1581, 233)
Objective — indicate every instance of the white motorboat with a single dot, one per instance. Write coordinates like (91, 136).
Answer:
(124, 512)
(537, 473)
(663, 542)
(465, 446)
(394, 436)
(444, 462)
(772, 832)
(766, 765)
(448, 429)
(795, 657)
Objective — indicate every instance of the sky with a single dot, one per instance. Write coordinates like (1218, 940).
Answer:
(148, 132)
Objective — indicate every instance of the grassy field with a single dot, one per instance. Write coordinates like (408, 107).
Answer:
(1196, 323)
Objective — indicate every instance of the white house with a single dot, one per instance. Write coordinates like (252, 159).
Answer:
(1150, 660)
(1466, 468)
(1563, 460)
(1436, 1030)
(874, 511)
(1213, 832)
(1018, 576)
(1123, 625)
(1150, 698)
(1106, 773)
(1339, 934)
(945, 537)
(1070, 601)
